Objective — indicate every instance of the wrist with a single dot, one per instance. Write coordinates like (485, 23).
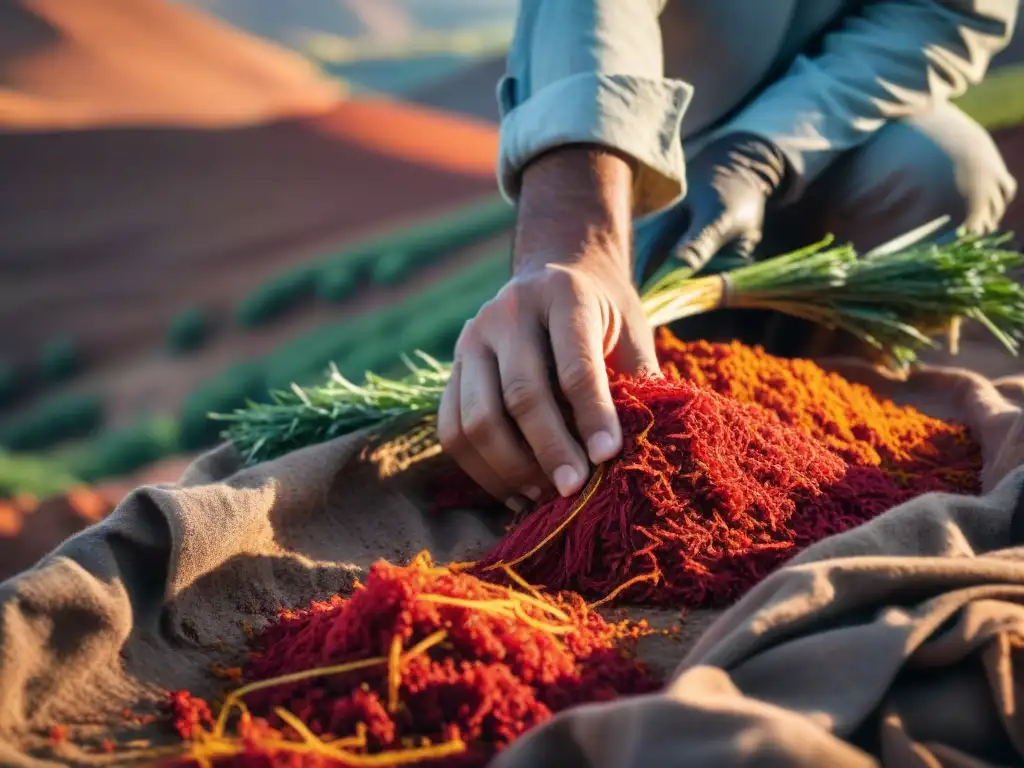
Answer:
(575, 205)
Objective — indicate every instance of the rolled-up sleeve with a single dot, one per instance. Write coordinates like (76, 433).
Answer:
(890, 60)
(592, 72)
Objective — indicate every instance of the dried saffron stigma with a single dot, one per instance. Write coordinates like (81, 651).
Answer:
(422, 665)
(919, 452)
(732, 464)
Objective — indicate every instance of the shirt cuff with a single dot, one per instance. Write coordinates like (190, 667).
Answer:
(637, 116)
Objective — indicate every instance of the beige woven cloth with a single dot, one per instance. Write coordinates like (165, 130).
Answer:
(895, 643)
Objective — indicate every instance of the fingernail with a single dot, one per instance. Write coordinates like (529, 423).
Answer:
(567, 480)
(515, 504)
(601, 447)
(531, 492)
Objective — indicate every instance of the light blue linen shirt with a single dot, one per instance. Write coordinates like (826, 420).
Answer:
(593, 71)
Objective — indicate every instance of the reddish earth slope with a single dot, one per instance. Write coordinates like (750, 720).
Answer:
(115, 62)
(153, 158)
(29, 528)
(112, 231)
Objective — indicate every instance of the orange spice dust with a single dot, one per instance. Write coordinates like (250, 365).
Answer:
(916, 450)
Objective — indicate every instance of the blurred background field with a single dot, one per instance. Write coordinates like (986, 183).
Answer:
(230, 197)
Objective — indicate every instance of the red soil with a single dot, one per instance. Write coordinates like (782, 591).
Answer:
(109, 244)
(203, 162)
(417, 135)
(30, 528)
(92, 63)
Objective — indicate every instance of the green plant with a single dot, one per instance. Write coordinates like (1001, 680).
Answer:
(238, 384)
(188, 331)
(391, 267)
(998, 101)
(893, 298)
(277, 297)
(60, 359)
(10, 382)
(386, 259)
(53, 421)
(337, 283)
(40, 476)
(121, 451)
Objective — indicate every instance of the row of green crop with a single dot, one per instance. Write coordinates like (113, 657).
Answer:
(75, 418)
(385, 260)
(121, 451)
(59, 359)
(55, 420)
(429, 321)
(111, 454)
(40, 476)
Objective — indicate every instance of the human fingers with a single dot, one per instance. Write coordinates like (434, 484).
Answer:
(577, 334)
(457, 445)
(487, 427)
(530, 402)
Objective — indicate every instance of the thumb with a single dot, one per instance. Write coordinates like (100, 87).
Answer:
(702, 241)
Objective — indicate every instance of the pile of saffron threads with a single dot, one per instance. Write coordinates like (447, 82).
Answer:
(918, 452)
(711, 494)
(421, 665)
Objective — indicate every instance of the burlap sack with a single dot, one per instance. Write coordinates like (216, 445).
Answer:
(147, 599)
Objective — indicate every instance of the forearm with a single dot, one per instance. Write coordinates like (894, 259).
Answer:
(891, 60)
(590, 72)
(573, 198)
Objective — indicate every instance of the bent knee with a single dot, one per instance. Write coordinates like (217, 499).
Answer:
(914, 171)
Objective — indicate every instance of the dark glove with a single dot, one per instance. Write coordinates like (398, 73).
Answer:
(729, 184)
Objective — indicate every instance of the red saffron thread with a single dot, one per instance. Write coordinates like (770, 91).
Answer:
(451, 670)
(732, 464)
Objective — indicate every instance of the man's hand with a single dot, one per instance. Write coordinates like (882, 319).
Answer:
(729, 184)
(543, 342)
